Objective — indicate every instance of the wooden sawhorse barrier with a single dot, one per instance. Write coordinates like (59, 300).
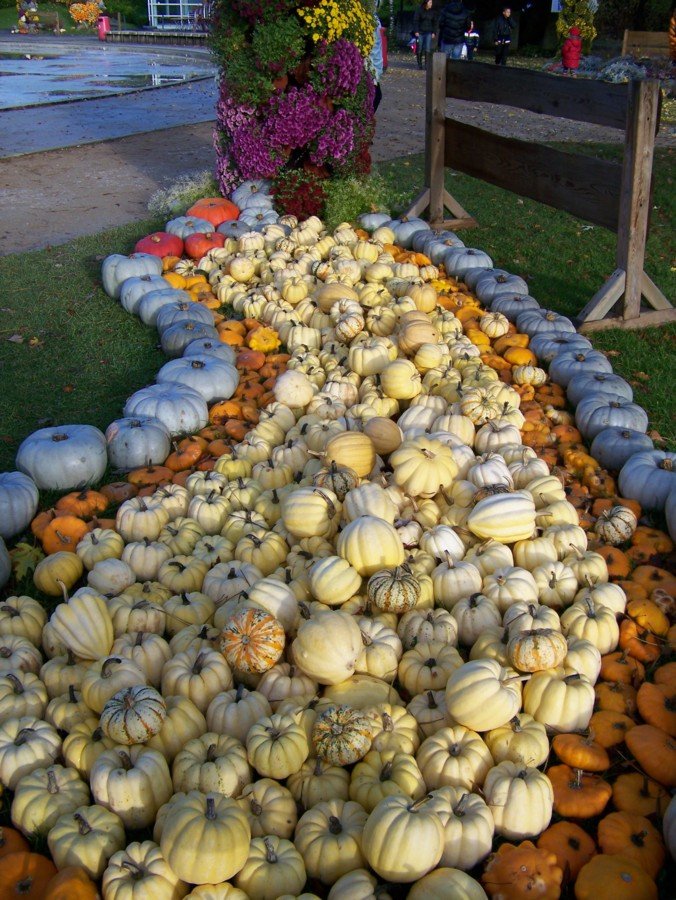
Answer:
(614, 195)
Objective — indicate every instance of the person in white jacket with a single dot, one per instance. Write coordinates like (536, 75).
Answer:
(377, 64)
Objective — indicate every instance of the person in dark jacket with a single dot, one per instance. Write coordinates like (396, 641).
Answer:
(425, 29)
(453, 23)
(572, 51)
(503, 36)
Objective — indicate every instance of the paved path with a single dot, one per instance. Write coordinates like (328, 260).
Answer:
(116, 151)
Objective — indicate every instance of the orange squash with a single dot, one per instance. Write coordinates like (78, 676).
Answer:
(655, 752)
(511, 873)
(634, 837)
(118, 491)
(665, 674)
(25, 875)
(616, 697)
(652, 577)
(580, 752)
(649, 616)
(71, 883)
(571, 845)
(619, 666)
(639, 642)
(82, 503)
(614, 876)
(610, 727)
(149, 476)
(654, 539)
(619, 565)
(634, 792)
(11, 841)
(63, 533)
(657, 706)
(578, 795)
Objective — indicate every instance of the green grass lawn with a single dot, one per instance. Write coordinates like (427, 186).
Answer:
(68, 353)
(47, 12)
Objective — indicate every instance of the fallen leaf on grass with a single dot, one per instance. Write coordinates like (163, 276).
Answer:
(16, 339)
(611, 353)
(642, 376)
(68, 388)
(36, 342)
(656, 436)
(24, 559)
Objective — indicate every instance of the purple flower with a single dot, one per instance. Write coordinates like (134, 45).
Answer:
(340, 68)
(229, 114)
(294, 118)
(337, 140)
(253, 154)
(227, 176)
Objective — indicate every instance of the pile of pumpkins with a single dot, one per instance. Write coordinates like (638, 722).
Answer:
(363, 615)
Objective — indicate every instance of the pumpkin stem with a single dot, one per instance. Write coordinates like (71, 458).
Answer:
(211, 809)
(16, 684)
(211, 752)
(52, 785)
(431, 702)
(270, 855)
(516, 725)
(335, 825)
(461, 806)
(23, 736)
(125, 759)
(388, 723)
(72, 697)
(83, 825)
(255, 807)
(105, 668)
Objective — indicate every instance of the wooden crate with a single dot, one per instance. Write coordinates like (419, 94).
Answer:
(645, 43)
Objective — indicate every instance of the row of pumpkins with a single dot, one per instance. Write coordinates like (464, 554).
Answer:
(381, 616)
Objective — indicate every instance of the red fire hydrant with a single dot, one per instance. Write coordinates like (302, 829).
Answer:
(103, 26)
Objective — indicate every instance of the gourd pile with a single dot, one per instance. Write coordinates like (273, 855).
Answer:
(365, 609)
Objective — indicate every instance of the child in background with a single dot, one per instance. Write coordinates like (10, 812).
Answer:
(572, 51)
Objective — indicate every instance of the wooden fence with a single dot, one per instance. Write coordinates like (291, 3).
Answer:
(614, 195)
(645, 43)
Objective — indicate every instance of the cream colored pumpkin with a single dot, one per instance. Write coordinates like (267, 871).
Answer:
(22, 694)
(327, 647)
(233, 712)
(273, 868)
(198, 675)
(318, 782)
(521, 799)
(428, 666)
(454, 756)
(43, 795)
(482, 695)
(468, 826)
(270, 808)
(384, 774)
(133, 782)
(83, 746)
(393, 728)
(184, 721)
(211, 763)
(403, 839)
(277, 746)
(106, 677)
(26, 744)
(141, 870)
(531, 651)
(329, 838)
(560, 700)
(504, 517)
(86, 837)
(423, 467)
(83, 625)
(522, 740)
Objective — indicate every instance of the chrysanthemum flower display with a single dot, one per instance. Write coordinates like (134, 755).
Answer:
(296, 94)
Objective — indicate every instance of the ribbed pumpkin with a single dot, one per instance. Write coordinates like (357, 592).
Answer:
(341, 735)
(394, 590)
(133, 715)
(252, 641)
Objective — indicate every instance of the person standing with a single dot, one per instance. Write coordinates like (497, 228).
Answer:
(453, 23)
(571, 52)
(425, 27)
(503, 35)
(377, 62)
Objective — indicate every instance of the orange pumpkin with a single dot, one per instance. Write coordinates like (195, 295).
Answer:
(610, 727)
(25, 875)
(657, 706)
(652, 577)
(655, 752)
(580, 752)
(41, 521)
(639, 642)
(632, 589)
(619, 564)
(665, 674)
(63, 533)
(149, 476)
(616, 697)
(252, 641)
(72, 883)
(618, 666)
(513, 872)
(614, 876)
(215, 210)
(635, 793)
(603, 504)
(118, 491)
(571, 845)
(576, 795)
(634, 837)
(82, 503)
(648, 615)
(11, 841)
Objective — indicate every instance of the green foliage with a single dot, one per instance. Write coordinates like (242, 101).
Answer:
(346, 198)
(234, 54)
(133, 12)
(576, 13)
(614, 16)
(186, 190)
(279, 45)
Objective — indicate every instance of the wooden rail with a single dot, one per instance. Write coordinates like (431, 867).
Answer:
(613, 195)
(645, 43)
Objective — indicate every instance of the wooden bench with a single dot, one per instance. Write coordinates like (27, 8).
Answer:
(645, 43)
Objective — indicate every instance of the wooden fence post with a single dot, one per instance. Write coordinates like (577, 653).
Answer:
(435, 132)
